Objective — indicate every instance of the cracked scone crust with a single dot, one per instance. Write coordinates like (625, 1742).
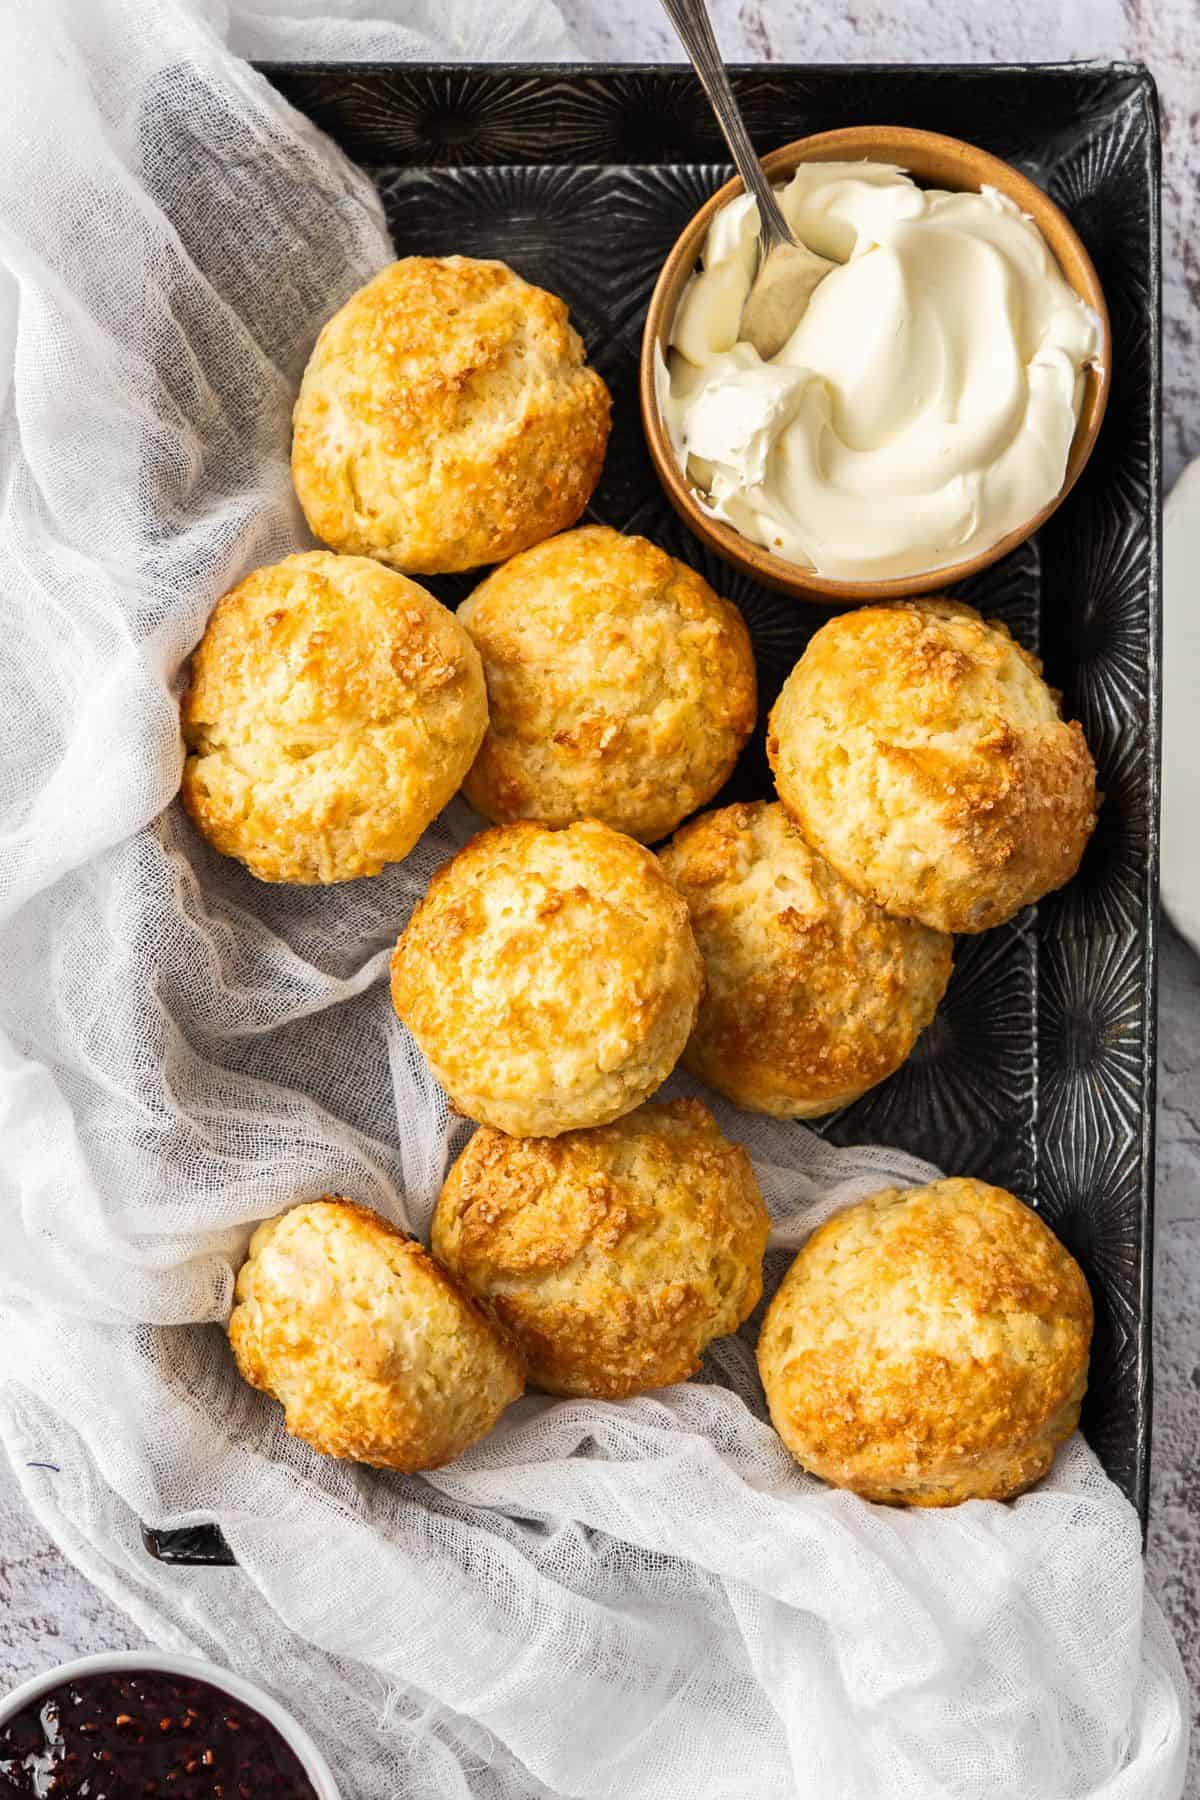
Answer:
(447, 418)
(333, 709)
(929, 1346)
(550, 977)
(812, 994)
(925, 758)
(615, 1255)
(374, 1352)
(620, 686)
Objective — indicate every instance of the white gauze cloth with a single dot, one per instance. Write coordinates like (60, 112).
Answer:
(644, 1601)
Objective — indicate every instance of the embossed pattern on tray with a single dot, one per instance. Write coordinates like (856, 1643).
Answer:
(1039, 1070)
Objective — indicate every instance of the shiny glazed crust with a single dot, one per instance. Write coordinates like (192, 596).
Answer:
(613, 1255)
(620, 687)
(812, 994)
(447, 418)
(550, 977)
(374, 1352)
(929, 1346)
(333, 709)
(923, 755)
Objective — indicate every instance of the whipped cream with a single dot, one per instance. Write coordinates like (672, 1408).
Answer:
(925, 404)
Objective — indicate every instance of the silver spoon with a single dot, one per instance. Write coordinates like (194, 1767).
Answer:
(787, 272)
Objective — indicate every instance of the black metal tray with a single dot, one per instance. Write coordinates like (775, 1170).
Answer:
(1039, 1071)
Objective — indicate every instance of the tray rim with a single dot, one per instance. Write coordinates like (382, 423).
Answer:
(1150, 948)
(1100, 65)
(201, 1544)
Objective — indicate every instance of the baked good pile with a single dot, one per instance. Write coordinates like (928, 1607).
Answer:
(591, 695)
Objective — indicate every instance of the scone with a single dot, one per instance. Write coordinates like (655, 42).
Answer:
(550, 977)
(925, 758)
(929, 1346)
(620, 687)
(614, 1256)
(812, 994)
(333, 709)
(374, 1352)
(447, 418)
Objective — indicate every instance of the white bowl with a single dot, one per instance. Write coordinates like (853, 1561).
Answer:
(311, 1760)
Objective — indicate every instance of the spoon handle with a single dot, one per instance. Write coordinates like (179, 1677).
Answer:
(690, 19)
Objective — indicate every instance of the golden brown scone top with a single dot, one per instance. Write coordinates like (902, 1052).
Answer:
(375, 1353)
(620, 686)
(812, 993)
(923, 755)
(929, 1345)
(550, 977)
(332, 711)
(447, 418)
(614, 1255)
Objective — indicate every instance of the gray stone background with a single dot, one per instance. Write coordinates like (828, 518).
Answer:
(48, 1612)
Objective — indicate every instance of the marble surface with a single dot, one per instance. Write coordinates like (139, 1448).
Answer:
(48, 1612)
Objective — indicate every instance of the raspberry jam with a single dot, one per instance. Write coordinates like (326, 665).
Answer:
(141, 1735)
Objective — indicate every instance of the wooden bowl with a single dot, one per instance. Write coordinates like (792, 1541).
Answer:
(933, 161)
